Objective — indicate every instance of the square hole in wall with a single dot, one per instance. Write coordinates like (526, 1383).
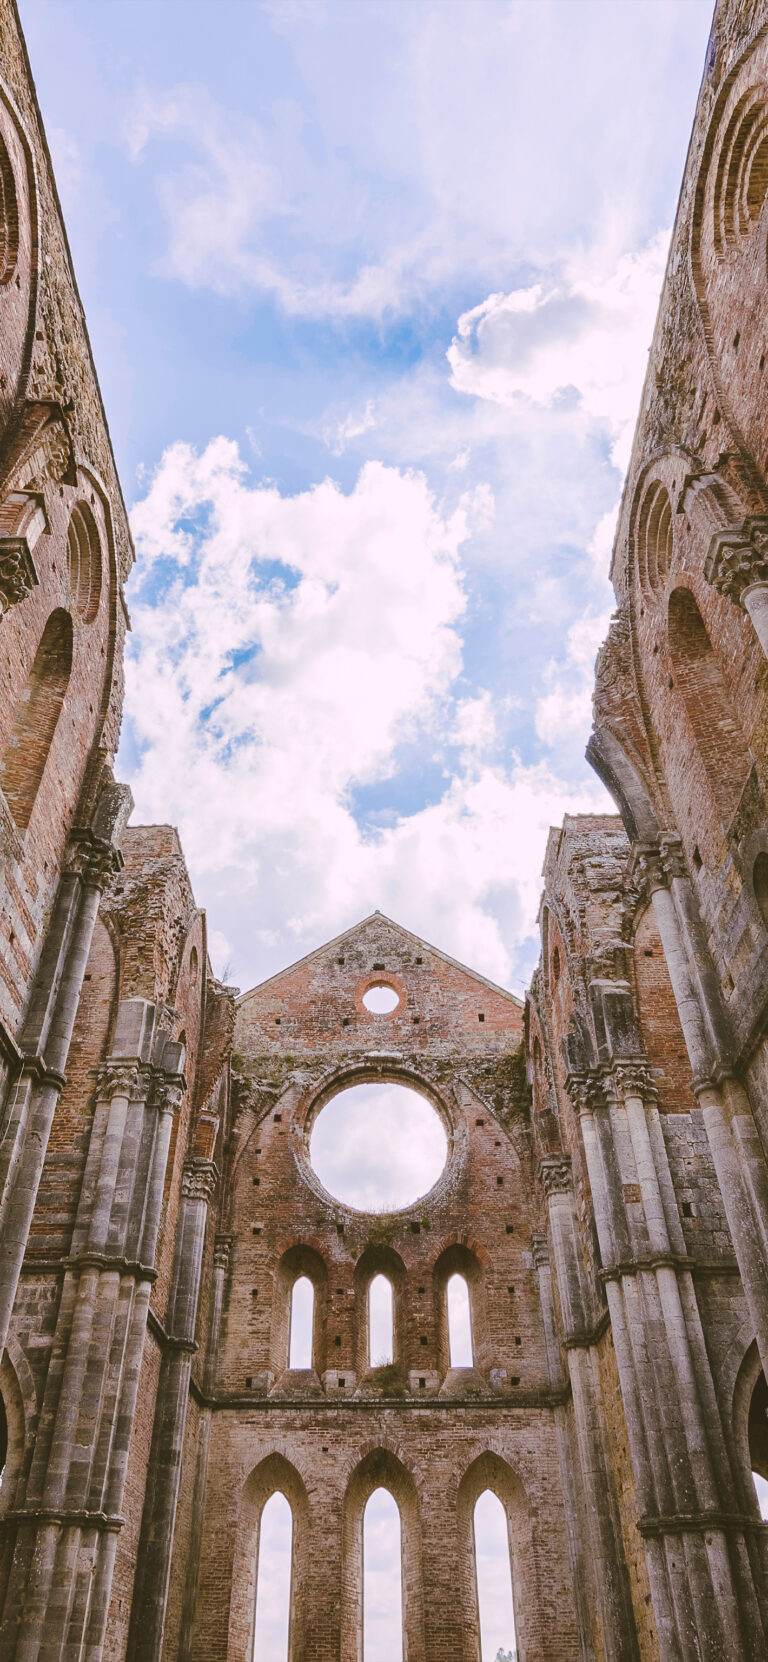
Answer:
(480, 1016)
(518, 1340)
(337, 1340)
(423, 1339)
(510, 1229)
(254, 1292)
(339, 1229)
(342, 1384)
(515, 1380)
(256, 1229)
(510, 1289)
(687, 1209)
(499, 1182)
(415, 1228)
(278, 1119)
(421, 1289)
(422, 1384)
(479, 1122)
(256, 1182)
(378, 966)
(248, 1381)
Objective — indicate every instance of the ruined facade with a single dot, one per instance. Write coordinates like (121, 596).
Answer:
(605, 1192)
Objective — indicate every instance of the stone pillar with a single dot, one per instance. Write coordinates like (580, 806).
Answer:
(57, 1598)
(737, 566)
(704, 1596)
(221, 1254)
(153, 1570)
(737, 1152)
(606, 1562)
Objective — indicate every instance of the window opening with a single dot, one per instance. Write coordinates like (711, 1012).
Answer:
(381, 1348)
(760, 884)
(758, 1443)
(381, 999)
(378, 1146)
(494, 1580)
(459, 1323)
(302, 1318)
(273, 1582)
(382, 1580)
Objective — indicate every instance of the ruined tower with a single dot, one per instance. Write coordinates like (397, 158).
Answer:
(602, 1203)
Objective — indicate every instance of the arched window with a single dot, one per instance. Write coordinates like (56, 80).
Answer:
(272, 1624)
(381, 1330)
(300, 1351)
(37, 713)
(758, 1442)
(719, 739)
(494, 1579)
(459, 1323)
(382, 1580)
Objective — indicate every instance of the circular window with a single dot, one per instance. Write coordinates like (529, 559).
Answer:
(378, 1147)
(381, 999)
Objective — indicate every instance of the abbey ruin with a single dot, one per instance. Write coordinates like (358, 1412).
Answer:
(605, 1192)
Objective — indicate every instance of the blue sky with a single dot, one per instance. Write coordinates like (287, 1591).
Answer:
(370, 289)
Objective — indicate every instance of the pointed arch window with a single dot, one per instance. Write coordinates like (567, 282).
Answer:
(381, 1330)
(301, 1347)
(272, 1622)
(493, 1574)
(37, 713)
(460, 1350)
(382, 1579)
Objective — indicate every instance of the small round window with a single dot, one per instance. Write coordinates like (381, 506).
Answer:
(381, 999)
(378, 1147)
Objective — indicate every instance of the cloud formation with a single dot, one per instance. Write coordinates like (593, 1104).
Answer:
(285, 651)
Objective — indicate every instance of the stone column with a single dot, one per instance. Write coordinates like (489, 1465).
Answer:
(153, 1570)
(32, 1098)
(703, 1591)
(737, 566)
(221, 1255)
(734, 1141)
(606, 1562)
(58, 1594)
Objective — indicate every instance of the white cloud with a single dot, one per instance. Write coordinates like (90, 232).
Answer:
(564, 713)
(585, 338)
(300, 641)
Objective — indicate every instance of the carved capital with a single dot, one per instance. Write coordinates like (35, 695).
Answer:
(93, 861)
(584, 1092)
(673, 862)
(17, 572)
(121, 1079)
(738, 557)
(555, 1174)
(631, 1078)
(169, 1094)
(199, 1180)
(222, 1248)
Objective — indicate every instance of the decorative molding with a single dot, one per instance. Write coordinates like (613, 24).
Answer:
(222, 1248)
(121, 1078)
(555, 1174)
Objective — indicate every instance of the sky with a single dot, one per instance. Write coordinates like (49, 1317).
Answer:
(370, 289)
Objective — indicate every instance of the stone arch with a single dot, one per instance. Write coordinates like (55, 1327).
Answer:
(623, 782)
(378, 1258)
(84, 562)
(300, 1260)
(654, 539)
(381, 1469)
(490, 1471)
(273, 1473)
(750, 1425)
(701, 686)
(459, 1259)
(17, 1389)
(36, 717)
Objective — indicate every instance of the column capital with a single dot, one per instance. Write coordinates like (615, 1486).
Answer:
(555, 1174)
(93, 860)
(123, 1078)
(199, 1180)
(169, 1093)
(629, 1078)
(585, 1092)
(738, 557)
(222, 1248)
(18, 576)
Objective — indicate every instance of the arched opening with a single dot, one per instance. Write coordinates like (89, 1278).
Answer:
(381, 1323)
(37, 713)
(719, 739)
(378, 1146)
(3, 1439)
(460, 1350)
(300, 1346)
(760, 884)
(493, 1575)
(654, 538)
(9, 217)
(272, 1622)
(382, 1579)
(758, 1442)
(84, 562)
